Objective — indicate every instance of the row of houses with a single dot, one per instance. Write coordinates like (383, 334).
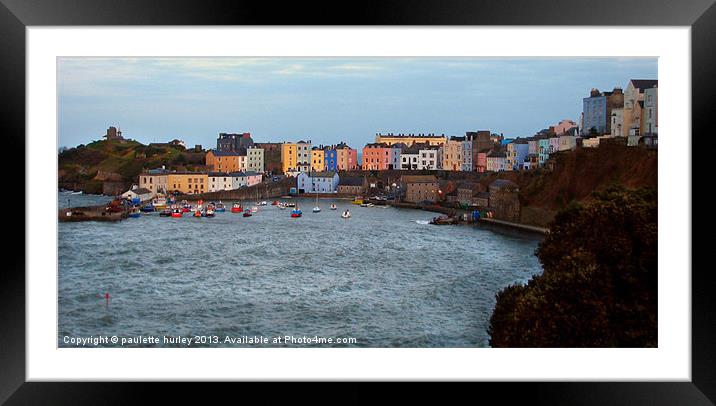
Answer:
(303, 157)
(630, 115)
(162, 181)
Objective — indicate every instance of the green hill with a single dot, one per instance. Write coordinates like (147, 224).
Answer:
(107, 166)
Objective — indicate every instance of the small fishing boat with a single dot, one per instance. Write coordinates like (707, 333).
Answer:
(148, 208)
(159, 202)
(366, 205)
(333, 206)
(290, 204)
(358, 200)
(176, 213)
(236, 208)
(247, 213)
(281, 206)
(220, 207)
(209, 212)
(254, 209)
(197, 213)
(346, 214)
(135, 213)
(275, 203)
(263, 203)
(443, 220)
(296, 212)
(166, 212)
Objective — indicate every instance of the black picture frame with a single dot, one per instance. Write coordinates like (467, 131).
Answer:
(16, 15)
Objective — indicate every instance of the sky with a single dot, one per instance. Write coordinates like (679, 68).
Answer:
(326, 100)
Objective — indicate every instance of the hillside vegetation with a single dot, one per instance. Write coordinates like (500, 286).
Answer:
(572, 176)
(89, 167)
(599, 285)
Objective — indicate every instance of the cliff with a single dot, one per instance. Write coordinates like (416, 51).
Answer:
(574, 175)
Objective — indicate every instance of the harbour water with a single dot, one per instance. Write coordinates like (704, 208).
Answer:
(384, 277)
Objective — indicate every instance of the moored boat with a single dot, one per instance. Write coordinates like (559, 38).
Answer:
(275, 203)
(176, 213)
(236, 208)
(135, 213)
(346, 214)
(220, 207)
(358, 200)
(247, 213)
(197, 213)
(254, 209)
(167, 212)
(317, 208)
(159, 202)
(333, 206)
(148, 208)
(296, 213)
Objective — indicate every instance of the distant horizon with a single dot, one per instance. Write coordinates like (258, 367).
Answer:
(326, 100)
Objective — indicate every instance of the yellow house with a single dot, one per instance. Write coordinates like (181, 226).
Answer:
(317, 159)
(289, 156)
(410, 139)
(188, 182)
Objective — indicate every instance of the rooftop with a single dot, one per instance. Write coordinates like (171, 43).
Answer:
(350, 181)
(642, 84)
(418, 179)
(326, 174)
(240, 152)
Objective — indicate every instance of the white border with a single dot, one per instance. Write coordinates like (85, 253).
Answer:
(671, 361)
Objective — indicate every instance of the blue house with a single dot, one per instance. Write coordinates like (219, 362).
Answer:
(330, 159)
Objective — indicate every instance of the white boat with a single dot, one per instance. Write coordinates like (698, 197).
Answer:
(346, 214)
(254, 209)
(263, 203)
(333, 206)
(317, 209)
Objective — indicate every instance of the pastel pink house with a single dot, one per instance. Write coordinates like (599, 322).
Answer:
(564, 126)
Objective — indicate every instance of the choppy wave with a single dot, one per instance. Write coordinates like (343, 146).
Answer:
(384, 278)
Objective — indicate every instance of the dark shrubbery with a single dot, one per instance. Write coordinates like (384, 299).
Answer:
(599, 286)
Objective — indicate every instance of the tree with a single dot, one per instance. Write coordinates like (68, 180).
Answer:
(599, 285)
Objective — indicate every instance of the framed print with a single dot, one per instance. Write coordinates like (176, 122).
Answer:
(459, 192)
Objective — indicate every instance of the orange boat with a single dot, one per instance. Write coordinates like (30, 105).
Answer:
(236, 208)
(177, 213)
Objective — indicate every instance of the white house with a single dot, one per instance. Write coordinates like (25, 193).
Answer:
(255, 159)
(239, 179)
(137, 192)
(220, 181)
(429, 158)
(317, 182)
(409, 158)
